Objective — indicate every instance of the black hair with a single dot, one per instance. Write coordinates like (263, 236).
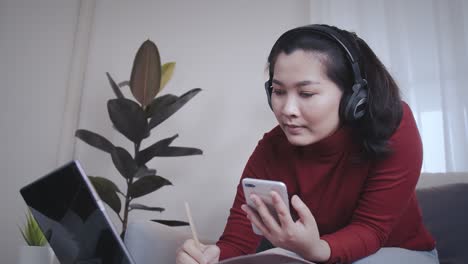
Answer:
(383, 109)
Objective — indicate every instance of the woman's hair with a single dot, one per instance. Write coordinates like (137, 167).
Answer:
(383, 109)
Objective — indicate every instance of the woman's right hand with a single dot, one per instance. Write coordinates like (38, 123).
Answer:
(189, 253)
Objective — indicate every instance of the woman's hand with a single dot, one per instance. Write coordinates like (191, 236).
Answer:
(189, 253)
(301, 237)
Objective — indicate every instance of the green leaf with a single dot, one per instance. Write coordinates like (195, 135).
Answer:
(145, 79)
(32, 233)
(167, 72)
(107, 190)
(128, 118)
(136, 206)
(124, 162)
(146, 185)
(148, 153)
(143, 171)
(171, 222)
(95, 140)
(162, 113)
(159, 103)
(114, 86)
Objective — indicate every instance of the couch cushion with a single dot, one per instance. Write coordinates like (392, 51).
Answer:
(445, 214)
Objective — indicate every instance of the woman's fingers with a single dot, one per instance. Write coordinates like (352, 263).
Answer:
(190, 253)
(255, 218)
(305, 215)
(284, 216)
(266, 215)
(184, 258)
(211, 254)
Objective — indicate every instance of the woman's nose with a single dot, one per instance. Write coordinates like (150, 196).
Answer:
(290, 107)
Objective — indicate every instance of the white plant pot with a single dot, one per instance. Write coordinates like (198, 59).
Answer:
(36, 255)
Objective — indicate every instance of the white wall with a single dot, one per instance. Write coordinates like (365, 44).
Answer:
(220, 46)
(36, 39)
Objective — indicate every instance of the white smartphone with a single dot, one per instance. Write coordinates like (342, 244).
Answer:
(262, 188)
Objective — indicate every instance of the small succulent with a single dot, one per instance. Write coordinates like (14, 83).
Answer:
(135, 119)
(31, 232)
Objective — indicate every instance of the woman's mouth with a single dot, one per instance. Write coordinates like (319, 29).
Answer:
(293, 129)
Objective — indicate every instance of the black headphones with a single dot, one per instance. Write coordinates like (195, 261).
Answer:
(355, 105)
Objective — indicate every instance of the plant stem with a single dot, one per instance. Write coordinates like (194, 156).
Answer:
(127, 197)
(121, 220)
(127, 203)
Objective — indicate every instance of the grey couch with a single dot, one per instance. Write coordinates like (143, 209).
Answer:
(445, 213)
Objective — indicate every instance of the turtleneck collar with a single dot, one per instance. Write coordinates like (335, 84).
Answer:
(333, 144)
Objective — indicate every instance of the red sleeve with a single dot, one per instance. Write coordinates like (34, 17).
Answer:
(387, 192)
(238, 237)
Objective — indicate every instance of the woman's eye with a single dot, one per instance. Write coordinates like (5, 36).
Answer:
(306, 94)
(277, 91)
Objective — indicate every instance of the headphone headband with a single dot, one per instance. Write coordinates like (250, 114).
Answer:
(331, 34)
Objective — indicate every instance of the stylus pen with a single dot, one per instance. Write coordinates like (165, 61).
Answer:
(192, 226)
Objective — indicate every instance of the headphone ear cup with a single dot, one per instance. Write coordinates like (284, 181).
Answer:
(268, 90)
(356, 104)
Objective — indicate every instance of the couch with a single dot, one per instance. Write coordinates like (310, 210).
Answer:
(443, 200)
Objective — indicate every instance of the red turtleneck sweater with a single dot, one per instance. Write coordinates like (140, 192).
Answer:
(360, 206)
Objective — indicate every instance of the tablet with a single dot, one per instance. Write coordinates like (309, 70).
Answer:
(73, 218)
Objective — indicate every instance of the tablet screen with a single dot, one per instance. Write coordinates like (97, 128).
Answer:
(71, 219)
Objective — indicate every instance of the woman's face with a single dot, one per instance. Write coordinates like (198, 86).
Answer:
(304, 100)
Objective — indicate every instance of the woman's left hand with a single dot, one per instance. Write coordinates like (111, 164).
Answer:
(301, 236)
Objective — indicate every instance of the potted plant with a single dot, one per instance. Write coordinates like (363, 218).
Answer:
(135, 120)
(36, 249)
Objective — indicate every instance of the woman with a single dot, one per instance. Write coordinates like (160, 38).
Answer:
(348, 150)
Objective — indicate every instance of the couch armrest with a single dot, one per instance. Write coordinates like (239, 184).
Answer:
(444, 210)
(429, 179)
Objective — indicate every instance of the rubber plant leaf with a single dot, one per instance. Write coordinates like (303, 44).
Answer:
(107, 190)
(159, 103)
(147, 184)
(136, 206)
(145, 79)
(177, 152)
(148, 153)
(171, 222)
(167, 72)
(163, 113)
(114, 86)
(128, 118)
(143, 171)
(95, 140)
(124, 162)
